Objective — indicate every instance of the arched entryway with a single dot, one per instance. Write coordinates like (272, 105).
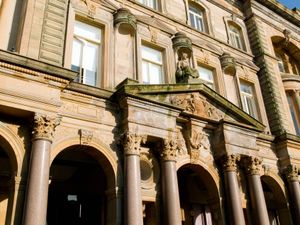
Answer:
(199, 197)
(276, 202)
(79, 179)
(7, 172)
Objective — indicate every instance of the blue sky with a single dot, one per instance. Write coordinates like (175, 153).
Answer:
(291, 3)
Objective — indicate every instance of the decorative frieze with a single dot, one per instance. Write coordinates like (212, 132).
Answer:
(132, 143)
(44, 126)
(292, 173)
(230, 162)
(253, 165)
(169, 149)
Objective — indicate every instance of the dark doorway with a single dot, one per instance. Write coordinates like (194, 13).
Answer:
(77, 189)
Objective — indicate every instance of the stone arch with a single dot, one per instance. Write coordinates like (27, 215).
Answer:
(276, 199)
(204, 203)
(100, 149)
(15, 148)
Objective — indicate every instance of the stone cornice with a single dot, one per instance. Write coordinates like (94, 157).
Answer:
(280, 9)
(35, 66)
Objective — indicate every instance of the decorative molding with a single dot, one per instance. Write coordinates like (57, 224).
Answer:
(197, 104)
(124, 16)
(292, 173)
(44, 126)
(198, 142)
(253, 165)
(154, 34)
(132, 143)
(230, 162)
(170, 149)
(86, 136)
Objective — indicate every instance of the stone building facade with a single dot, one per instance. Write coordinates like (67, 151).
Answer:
(149, 112)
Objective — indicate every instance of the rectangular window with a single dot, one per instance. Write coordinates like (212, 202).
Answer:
(206, 76)
(196, 19)
(85, 52)
(150, 3)
(152, 66)
(248, 99)
(295, 116)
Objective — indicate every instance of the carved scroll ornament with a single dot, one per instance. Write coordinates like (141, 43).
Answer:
(169, 149)
(198, 141)
(44, 126)
(132, 143)
(292, 173)
(230, 162)
(253, 165)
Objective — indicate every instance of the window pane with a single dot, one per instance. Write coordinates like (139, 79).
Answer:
(90, 61)
(145, 72)
(87, 31)
(196, 18)
(248, 101)
(155, 74)
(151, 54)
(293, 113)
(207, 76)
(76, 54)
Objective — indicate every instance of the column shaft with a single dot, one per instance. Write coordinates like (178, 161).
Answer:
(38, 183)
(294, 187)
(172, 213)
(133, 198)
(234, 198)
(258, 200)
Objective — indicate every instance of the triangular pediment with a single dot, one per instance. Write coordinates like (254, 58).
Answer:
(193, 100)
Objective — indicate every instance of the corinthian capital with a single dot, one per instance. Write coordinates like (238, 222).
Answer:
(291, 173)
(132, 143)
(169, 149)
(44, 126)
(253, 165)
(230, 162)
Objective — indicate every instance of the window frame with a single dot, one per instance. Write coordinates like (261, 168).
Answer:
(147, 4)
(86, 41)
(236, 36)
(245, 95)
(198, 13)
(205, 81)
(293, 111)
(148, 61)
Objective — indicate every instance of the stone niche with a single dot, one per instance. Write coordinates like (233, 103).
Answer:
(125, 30)
(185, 73)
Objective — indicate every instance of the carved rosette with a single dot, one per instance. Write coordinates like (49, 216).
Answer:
(230, 162)
(44, 126)
(132, 143)
(169, 149)
(291, 173)
(253, 165)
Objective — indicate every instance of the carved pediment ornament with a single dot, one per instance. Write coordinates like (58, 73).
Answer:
(169, 149)
(44, 126)
(198, 141)
(230, 162)
(181, 145)
(253, 165)
(132, 143)
(196, 104)
(292, 173)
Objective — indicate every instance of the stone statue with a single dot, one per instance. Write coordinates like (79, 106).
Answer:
(184, 71)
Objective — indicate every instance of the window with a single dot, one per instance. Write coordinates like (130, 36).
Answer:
(152, 66)
(280, 63)
(85, 52)
(235, 36)
(150, 3)
(196, 18)
(294, 113)
(206, 76)
(248, 100)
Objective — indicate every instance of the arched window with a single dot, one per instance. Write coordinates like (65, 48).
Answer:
(197, 17)
(286, 62)
(236, 36)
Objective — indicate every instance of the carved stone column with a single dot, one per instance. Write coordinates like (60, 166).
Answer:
(172, 214)
(258, 202)
(294, 188)
(232, 189)
(133, 198)
(38, 178)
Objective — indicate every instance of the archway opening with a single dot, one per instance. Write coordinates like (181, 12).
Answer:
(199, 198)
(6, 175)
(276, 202)
(78, 182)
